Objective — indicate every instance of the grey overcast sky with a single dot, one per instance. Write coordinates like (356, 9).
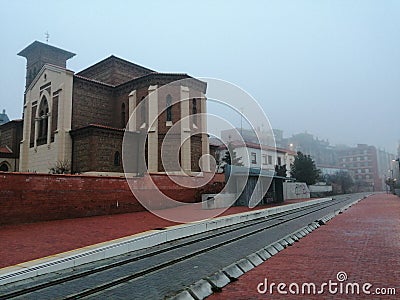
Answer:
(331, 68)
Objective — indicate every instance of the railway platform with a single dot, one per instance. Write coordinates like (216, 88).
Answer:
(204, 256)
(28, 242)
(359, 249)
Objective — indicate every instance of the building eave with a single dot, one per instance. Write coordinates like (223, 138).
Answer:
(27, 50)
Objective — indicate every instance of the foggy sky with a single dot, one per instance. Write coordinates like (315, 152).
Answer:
(331, 68)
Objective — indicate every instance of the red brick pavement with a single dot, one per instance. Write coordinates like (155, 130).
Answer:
(363, 242)
(25, 242)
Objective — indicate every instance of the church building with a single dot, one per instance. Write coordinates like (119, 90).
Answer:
(79, 119)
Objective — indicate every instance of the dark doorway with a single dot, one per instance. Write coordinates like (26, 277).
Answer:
(4, 167)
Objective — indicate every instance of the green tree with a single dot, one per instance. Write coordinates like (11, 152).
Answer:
(304, 169)
(343, 179)
(230, 157)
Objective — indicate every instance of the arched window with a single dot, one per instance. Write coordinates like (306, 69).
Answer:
(168, 105)
(4, 167)
(123, 115)
(117, 159)
(43, 121)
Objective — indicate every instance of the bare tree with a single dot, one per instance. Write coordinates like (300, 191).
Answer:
(61, 167)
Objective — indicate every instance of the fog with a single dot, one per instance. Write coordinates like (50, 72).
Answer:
(331, 68)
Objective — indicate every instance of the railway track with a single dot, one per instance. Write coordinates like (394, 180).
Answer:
(110, 274)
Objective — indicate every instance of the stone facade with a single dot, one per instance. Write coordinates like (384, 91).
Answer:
(81, 118)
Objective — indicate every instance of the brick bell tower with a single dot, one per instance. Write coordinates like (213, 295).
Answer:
(38, 54)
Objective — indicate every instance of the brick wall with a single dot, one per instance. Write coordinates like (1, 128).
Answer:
(94, 149)
(92, 103)
(27, 197)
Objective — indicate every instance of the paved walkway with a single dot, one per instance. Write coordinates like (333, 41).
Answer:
(25, 242)
(363, 242)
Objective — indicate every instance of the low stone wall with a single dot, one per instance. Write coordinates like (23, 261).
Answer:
(295, 190)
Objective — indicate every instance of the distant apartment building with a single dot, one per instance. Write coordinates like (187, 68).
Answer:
(332, 170)
(320, 151)
(363, 161)
(398, 149)
(256, 135)
(385, 164)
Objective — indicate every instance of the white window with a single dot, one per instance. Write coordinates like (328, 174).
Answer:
(265, 161)
(270, 159)
(253, 157)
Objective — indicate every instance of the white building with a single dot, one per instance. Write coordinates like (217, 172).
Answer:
(260, 156)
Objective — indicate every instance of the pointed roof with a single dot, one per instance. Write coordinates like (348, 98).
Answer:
(37, 46)
(114, 71)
